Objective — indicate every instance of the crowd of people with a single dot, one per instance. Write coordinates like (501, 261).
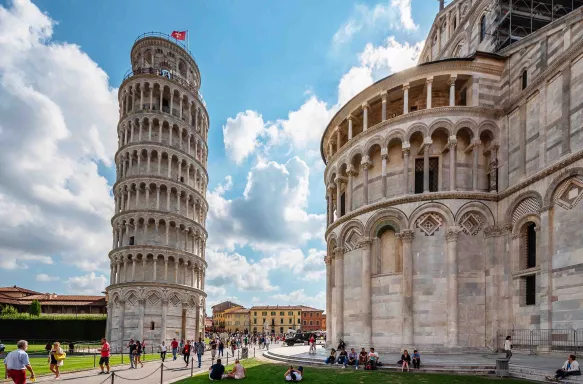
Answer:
(368, 360)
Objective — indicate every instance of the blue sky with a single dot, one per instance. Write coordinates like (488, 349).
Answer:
(273, 73)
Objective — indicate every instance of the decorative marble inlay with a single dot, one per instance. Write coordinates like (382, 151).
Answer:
(191, 303)
(153, 299)
(429, 223)
(132, 299)
(569, 194)
(352, 239)
(174, 300)
(472, 223)
(526, 206)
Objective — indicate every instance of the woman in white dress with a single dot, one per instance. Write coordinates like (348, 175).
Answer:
(56, 359)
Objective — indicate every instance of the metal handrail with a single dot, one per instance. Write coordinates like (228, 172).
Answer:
(167, 74)
(165, 37)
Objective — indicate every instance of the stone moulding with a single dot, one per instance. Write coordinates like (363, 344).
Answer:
(149, 179)
(162, 286)
(160, 215)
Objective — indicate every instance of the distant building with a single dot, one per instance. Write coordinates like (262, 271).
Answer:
(236, 320)
(219, 314)
(312, 319)
(20, 298)
(208, 324)
(324, 322)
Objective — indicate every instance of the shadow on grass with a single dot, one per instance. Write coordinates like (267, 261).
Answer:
(266, 373)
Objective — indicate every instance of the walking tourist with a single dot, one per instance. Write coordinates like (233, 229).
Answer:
(293, 374)
(174, 346)
(508, 347)
(132, 348)
(163, 351)
(186, 352)
(105, 353)
(139, 351)
(56, 358)
(416, 359)
(200, 347)
(16, 363)
(238, 371)
(352, 358)
(405, 360)
(71, 348)
(216, 371)
(362, 357)
(332, 358)
(312, 344)
(570, 368)
(267, 343)
(221, 347)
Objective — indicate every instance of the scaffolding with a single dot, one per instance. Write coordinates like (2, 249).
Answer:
(516, 19)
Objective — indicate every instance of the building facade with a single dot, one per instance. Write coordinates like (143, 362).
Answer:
(275, 318)
(158, 265)
(51, 303)
(236, 320)
(219, 315)
(454, 187)
(312, 319)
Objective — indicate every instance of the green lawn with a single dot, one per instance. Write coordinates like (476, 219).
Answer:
(40, 348)
(265, 373)
(74, 363)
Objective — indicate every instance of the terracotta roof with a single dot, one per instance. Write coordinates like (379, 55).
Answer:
(18, 289)
(46, 298)
(310, 309)
(277, 307)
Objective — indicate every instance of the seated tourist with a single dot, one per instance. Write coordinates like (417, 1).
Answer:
(238, 371)
(570, 368)
(416, 359)
(343, 358)
(216, 371)
(362, 357)
(294, 374)
(352, 358)
(405, 360)
(332, 358)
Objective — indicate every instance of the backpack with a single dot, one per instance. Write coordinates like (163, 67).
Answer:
(368, 366)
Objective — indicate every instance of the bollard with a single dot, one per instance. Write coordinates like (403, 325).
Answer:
(161, 373)
(192, 367)
(122, 357)
(94, 360)
(112, 377)
(227, 358)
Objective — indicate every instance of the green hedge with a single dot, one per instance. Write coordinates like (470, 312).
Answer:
(52, 328)
(27, 316)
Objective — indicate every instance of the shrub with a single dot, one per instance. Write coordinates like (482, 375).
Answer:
(9, 310)
(35, 308)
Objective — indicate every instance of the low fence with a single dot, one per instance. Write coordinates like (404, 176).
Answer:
(536, 341)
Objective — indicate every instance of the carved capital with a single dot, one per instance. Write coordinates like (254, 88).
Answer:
(339, 252)
(452, 234)
(352, 171)
(327, 260)
(365, 243)
(407, 236)
(493, 231)
(365, 106)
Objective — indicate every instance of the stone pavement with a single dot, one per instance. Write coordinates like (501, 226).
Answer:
(150, 374)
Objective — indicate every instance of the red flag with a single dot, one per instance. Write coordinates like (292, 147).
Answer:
(179, 35)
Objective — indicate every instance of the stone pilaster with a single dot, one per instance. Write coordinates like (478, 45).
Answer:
(406, 237)
(384, 157)
(366, 296)
(339, 280)
(452, 286)
(366, 164)
(328, 261)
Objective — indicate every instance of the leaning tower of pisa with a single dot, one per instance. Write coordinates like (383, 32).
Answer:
(158, 265)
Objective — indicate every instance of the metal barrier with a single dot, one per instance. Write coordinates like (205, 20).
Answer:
(542, 340)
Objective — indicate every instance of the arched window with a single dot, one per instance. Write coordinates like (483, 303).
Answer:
(482, 28)
(524, 79)
(388, 251)
(530, 249)
(527, 261)
(455, 23)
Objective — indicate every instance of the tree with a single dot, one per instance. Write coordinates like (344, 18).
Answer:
(9, 310)
(34, 309)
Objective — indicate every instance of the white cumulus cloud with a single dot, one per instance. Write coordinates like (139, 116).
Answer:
(43, 277)
(57, 120)
(90, 284)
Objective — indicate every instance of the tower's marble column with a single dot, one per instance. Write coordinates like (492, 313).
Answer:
(406, 168)
(426, 145)
(384, 157)
(494, 168)
(366, 164)
(452, 91)
(364, 116)
(406, 98)
(429, 83)
(164, 316)
(348, 199)
(350, 118)
(406, 237)
(451, 238)
(476, 152)
(384, 106)
(452, 144)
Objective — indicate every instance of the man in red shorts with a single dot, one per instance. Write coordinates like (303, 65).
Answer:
(104, 359)
(16, 363)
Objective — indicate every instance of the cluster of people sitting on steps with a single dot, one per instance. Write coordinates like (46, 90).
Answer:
(369, 360)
